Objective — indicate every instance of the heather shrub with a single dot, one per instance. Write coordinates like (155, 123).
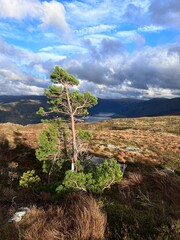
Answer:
(29, 179)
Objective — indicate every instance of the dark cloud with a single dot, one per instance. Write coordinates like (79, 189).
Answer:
(93, 66)
(110, 47)
(175, 48)
(92, 71)
(133, 13)
(129, 75)
(107, 47)
(165, 12)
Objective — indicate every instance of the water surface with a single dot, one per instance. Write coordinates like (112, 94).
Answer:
(99, 117)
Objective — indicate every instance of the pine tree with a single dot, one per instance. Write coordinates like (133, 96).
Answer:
(71, 104)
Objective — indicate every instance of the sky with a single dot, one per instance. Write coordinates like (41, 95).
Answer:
(115, 48)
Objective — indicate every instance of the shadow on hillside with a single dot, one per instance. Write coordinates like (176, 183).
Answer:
(152, 182)
(4, 143)
(143, 166)
(16, 157)
(145, 205)
(15, 148)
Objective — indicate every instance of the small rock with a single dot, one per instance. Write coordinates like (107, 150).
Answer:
(123, 167)
(111, 146)
(133, 149)
(168, 171)
(19, 214)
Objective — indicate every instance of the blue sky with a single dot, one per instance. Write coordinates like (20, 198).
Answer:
(116, 49)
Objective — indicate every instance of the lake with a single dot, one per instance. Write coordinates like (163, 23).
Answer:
(99, 117)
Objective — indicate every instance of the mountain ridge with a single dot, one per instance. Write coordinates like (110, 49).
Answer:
(22, 109)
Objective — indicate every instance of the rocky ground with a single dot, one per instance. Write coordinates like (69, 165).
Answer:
(147, 141)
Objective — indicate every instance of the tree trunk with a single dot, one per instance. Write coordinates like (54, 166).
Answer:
(74, 157)
(74, 143)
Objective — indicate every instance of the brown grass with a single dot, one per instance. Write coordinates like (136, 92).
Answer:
(166, 184)
(157, 183)
(79, 218)
(144, 207)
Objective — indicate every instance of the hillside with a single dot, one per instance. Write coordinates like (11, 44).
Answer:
(145, 205)
(22, 109)
(154, 140)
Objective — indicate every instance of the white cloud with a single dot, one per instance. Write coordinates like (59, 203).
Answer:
(20, 70)
(19, 88)
(19, 9)
(96, 39)
(131, 36)
(28, 90)
(50, 14)
(151, 28)
(151, 72)
(11, 75)
(53, 16)
(153, 92)
(85, 14)
(64, 49)
(39, 68)
(17, 53)
(95, 29)
(45, 56)
(88, 13)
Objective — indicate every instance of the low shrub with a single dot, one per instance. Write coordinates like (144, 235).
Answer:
(29, 179)
(94, 179)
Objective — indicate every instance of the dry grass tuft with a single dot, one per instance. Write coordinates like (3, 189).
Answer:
(33, 224)
(79, 218)
(130, 183)
(83, 216)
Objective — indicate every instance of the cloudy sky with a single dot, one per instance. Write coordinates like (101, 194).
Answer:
(116, 48)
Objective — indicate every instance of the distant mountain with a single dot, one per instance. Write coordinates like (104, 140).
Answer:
(153, 107)
(22, 109)
(116, 106)
(138, 108)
